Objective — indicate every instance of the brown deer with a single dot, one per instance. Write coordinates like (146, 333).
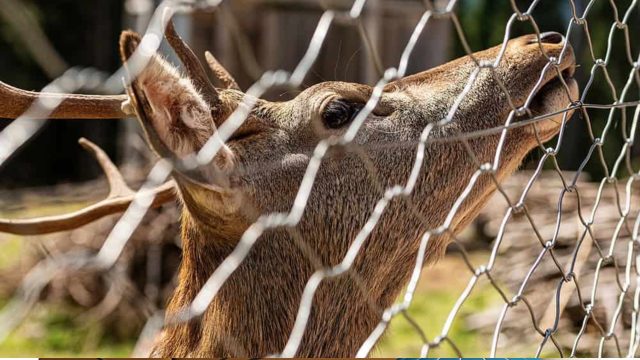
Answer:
(262, 164)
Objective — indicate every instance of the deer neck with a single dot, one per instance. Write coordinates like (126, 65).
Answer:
(254, 311)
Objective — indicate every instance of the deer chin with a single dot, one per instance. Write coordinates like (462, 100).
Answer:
(553, 98)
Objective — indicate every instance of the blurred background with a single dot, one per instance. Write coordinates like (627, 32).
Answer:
(102, 314)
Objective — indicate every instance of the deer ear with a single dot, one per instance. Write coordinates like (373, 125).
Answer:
(177, 122)
(176, 110)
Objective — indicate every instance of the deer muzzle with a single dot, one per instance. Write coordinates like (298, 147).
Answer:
(530, 76)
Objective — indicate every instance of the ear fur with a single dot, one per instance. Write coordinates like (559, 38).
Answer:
(178, 122)
(179, 114)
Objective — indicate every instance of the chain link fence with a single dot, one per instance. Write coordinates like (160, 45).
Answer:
(621, 179)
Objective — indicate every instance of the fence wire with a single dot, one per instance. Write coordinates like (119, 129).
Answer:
(25, 127)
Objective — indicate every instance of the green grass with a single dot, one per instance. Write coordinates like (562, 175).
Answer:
(438, 291)
(430, 311)
(58, 331)
(10, 249)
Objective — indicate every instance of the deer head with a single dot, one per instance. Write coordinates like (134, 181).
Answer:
(260, 167)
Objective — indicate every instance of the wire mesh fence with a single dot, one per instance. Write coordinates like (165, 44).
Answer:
(574, 276)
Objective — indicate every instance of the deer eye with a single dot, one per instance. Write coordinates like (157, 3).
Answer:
(339, 113)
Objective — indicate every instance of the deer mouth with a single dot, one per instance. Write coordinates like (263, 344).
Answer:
(552, 101)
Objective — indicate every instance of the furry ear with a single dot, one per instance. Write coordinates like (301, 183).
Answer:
(180, 116)
(177, 122)
(178, 113)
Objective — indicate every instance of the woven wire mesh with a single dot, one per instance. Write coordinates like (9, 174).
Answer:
(628, 219)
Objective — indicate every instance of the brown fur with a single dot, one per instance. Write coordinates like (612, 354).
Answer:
(254, 311)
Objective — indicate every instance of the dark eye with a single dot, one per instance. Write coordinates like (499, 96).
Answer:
(339, 113)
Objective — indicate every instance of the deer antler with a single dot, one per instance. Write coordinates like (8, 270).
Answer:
(119, 198)
(14, 102)
(192, 65)
(220, 72)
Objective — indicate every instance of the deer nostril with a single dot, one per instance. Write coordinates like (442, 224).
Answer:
(551, 37)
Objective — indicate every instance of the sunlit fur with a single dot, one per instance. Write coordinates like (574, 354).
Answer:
(181, 118)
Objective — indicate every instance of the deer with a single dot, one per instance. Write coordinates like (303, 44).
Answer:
(255, 309)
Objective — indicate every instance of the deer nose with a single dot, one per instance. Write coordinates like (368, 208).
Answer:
(550, 37)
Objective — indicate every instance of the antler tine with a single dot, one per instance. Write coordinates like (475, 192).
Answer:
(119, 198)
(192, 65)
(220, 72)
(14, 102)
(117, 185)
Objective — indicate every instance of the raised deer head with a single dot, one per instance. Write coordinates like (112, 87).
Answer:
(260, 168)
